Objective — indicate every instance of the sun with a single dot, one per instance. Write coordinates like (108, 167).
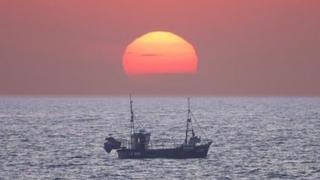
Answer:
(159, 52)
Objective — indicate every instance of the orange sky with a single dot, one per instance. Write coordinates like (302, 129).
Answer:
(245, 47)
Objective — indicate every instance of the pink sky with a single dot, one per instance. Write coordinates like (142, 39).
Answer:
(245, 47)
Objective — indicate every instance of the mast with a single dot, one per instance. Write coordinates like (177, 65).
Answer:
(132, 117)
(131, 122)
(188, 122)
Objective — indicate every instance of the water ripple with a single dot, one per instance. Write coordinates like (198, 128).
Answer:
(254, 138)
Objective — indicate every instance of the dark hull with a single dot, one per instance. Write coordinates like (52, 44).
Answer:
(199, 151)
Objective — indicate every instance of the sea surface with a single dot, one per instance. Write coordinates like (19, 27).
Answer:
(253, 137)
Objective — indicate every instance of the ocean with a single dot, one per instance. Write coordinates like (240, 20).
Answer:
(253, 137)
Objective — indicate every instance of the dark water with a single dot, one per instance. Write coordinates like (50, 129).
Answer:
(253, 138)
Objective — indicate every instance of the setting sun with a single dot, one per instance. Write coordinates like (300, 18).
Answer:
(159, 53)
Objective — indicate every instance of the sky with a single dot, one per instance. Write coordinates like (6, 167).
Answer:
(244, 47)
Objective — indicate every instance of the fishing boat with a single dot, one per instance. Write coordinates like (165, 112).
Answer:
(139, 145)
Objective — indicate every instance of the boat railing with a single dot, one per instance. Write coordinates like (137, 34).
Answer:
(161, 143)
(125, 143)
(165, 143)
(205, 141)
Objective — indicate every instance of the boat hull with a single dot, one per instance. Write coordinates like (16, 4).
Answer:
(181, 152)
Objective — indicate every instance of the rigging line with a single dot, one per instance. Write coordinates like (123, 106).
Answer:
(139, 124)
(205, 135)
